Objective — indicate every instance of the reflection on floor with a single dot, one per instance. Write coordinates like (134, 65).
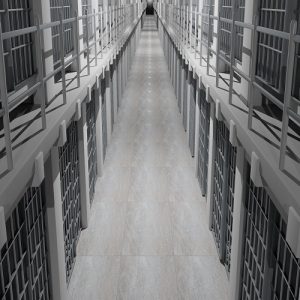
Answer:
(148, 236)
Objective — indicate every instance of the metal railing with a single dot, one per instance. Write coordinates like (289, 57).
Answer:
(108, 36)
(174, 17)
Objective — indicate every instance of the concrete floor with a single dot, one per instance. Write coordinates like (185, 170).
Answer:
(148, 236)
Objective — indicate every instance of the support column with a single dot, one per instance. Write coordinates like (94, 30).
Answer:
(188, 100)
(99, 132)
(238, 225)
(211, 159)
(108, 104)
(56, 246)
(115, 90)
(182, 84)
(198, 83)
(83, 167)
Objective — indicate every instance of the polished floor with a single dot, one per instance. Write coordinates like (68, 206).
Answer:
(148, 236)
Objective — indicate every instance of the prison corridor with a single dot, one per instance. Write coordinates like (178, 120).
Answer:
(148, 235)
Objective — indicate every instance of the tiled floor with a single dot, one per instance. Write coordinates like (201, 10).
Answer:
(148, 236)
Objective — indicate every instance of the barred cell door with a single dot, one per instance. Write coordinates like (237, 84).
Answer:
(192, 117)
(184, 100)
(270, 269)
(223, 192)
(24, 271)
(69, 173)
(19, 60)
(204, 123)
(104, 119)
(92, 144)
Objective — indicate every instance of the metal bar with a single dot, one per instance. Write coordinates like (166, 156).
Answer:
(95, 38)
(287, 93)
(62, 58)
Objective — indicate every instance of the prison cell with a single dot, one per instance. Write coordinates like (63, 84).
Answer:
(19, 63)
(87, 24)
(204, 123)
(207, 25)
(70, 192)
(270, 55)
(24, 258)
(226, 12)
(270, 270)
(104, 119)
(223, 192)
(192, 118)
(184, 99)
(63, 8)
(92, 144)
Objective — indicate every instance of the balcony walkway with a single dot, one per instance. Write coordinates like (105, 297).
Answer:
(148, 236)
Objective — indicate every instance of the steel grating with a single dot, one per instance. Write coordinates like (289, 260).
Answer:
(19, 62)
(208, 8)
(70, 190)
(269, 268)
(24, 259)
(204, 123)
(270, 48)
(63, 8)
(104, 119)
(192, 117)
(223, 192)
(92, 144)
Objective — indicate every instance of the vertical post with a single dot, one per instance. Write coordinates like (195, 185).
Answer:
(77, 48)
(218, 51)
(56, 245)
(62, 56)
(108, 104)
(99, 132)
(87, 43)
(211, 159)
(83, 167)
(95, 38)
(238, 225)
(287, 93)
(198, 84)
(4, 103)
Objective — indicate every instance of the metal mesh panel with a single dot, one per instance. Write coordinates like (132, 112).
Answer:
(204, 124)
(69, 173)
(19, 64)
(63, 7)
(225, 34)
(192, 119)
(23, 259)
(104, 120)
(87, 23)
(92, 144)
(270, 48)
(270, 269)
(223, 193)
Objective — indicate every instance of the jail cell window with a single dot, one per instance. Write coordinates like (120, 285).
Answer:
(270, 269)
(226, 12)
(271, 50)
(87, 23)
(92, 144)
(18, 51)
(70, 192)
(24, 271)
(223, 193)
(204, 123)
(61, 8)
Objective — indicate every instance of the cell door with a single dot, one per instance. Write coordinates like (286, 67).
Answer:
(104, 119)
(270, 269)
(92, 144)
(24, 270)
(19, 60)
(69, 174)
(184, 100)
(204, 123)
(192, 117)
(223, 192)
